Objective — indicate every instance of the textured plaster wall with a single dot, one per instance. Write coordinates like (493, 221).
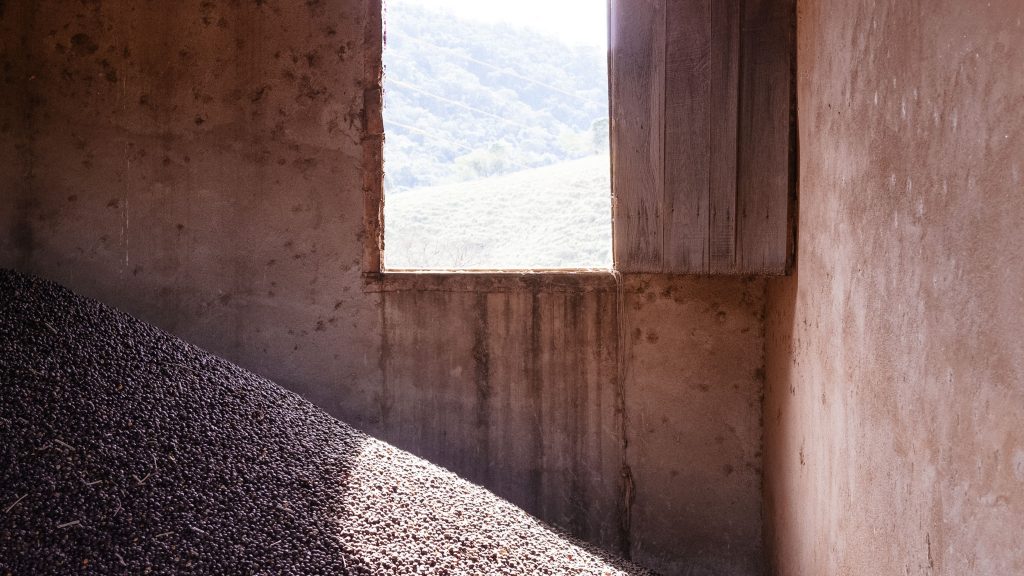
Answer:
(894, 415)
(199, 164)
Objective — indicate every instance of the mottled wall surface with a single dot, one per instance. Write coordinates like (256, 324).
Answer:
(694, 347)
(894, 416)
(196, 163)
(199, 164)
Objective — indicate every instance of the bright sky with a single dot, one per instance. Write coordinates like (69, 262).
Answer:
(579, 22)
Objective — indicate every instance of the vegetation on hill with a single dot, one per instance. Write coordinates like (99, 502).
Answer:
(556, 216)
(467, 100)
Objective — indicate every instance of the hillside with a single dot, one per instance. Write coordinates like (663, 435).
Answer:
(465, 99)
(552, 217)
(496, 150)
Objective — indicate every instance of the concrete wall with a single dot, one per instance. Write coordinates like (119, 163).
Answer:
(894, 426)
(198, 163)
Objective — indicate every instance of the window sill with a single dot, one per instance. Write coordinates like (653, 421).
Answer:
(549, 281)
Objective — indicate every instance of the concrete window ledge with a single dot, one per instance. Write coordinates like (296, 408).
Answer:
(491, 281)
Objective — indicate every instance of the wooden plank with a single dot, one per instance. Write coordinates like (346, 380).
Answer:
(725, 72)
(687, 136)
(637, 77)
(763, 179)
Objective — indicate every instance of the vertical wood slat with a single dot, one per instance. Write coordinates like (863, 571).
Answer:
(763, 185)
(638, 101)
(725, 95)
(688, 129)
(720, 203)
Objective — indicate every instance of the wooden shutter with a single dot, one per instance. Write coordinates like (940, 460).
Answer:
(700, 93)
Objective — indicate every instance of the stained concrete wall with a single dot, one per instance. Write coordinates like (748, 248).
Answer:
(895, 363)
(198, 164)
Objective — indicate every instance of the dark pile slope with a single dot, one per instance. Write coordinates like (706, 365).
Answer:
(124, 450)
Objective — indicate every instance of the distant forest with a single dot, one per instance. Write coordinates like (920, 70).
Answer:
(466, 100)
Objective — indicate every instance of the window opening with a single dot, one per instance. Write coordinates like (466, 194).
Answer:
(496, 153)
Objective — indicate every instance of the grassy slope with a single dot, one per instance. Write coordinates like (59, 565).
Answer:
(552, 217)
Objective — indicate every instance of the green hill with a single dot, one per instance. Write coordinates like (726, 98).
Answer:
(557, 216)
(466, 100)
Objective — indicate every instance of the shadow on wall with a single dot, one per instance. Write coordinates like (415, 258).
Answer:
(779, 442)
